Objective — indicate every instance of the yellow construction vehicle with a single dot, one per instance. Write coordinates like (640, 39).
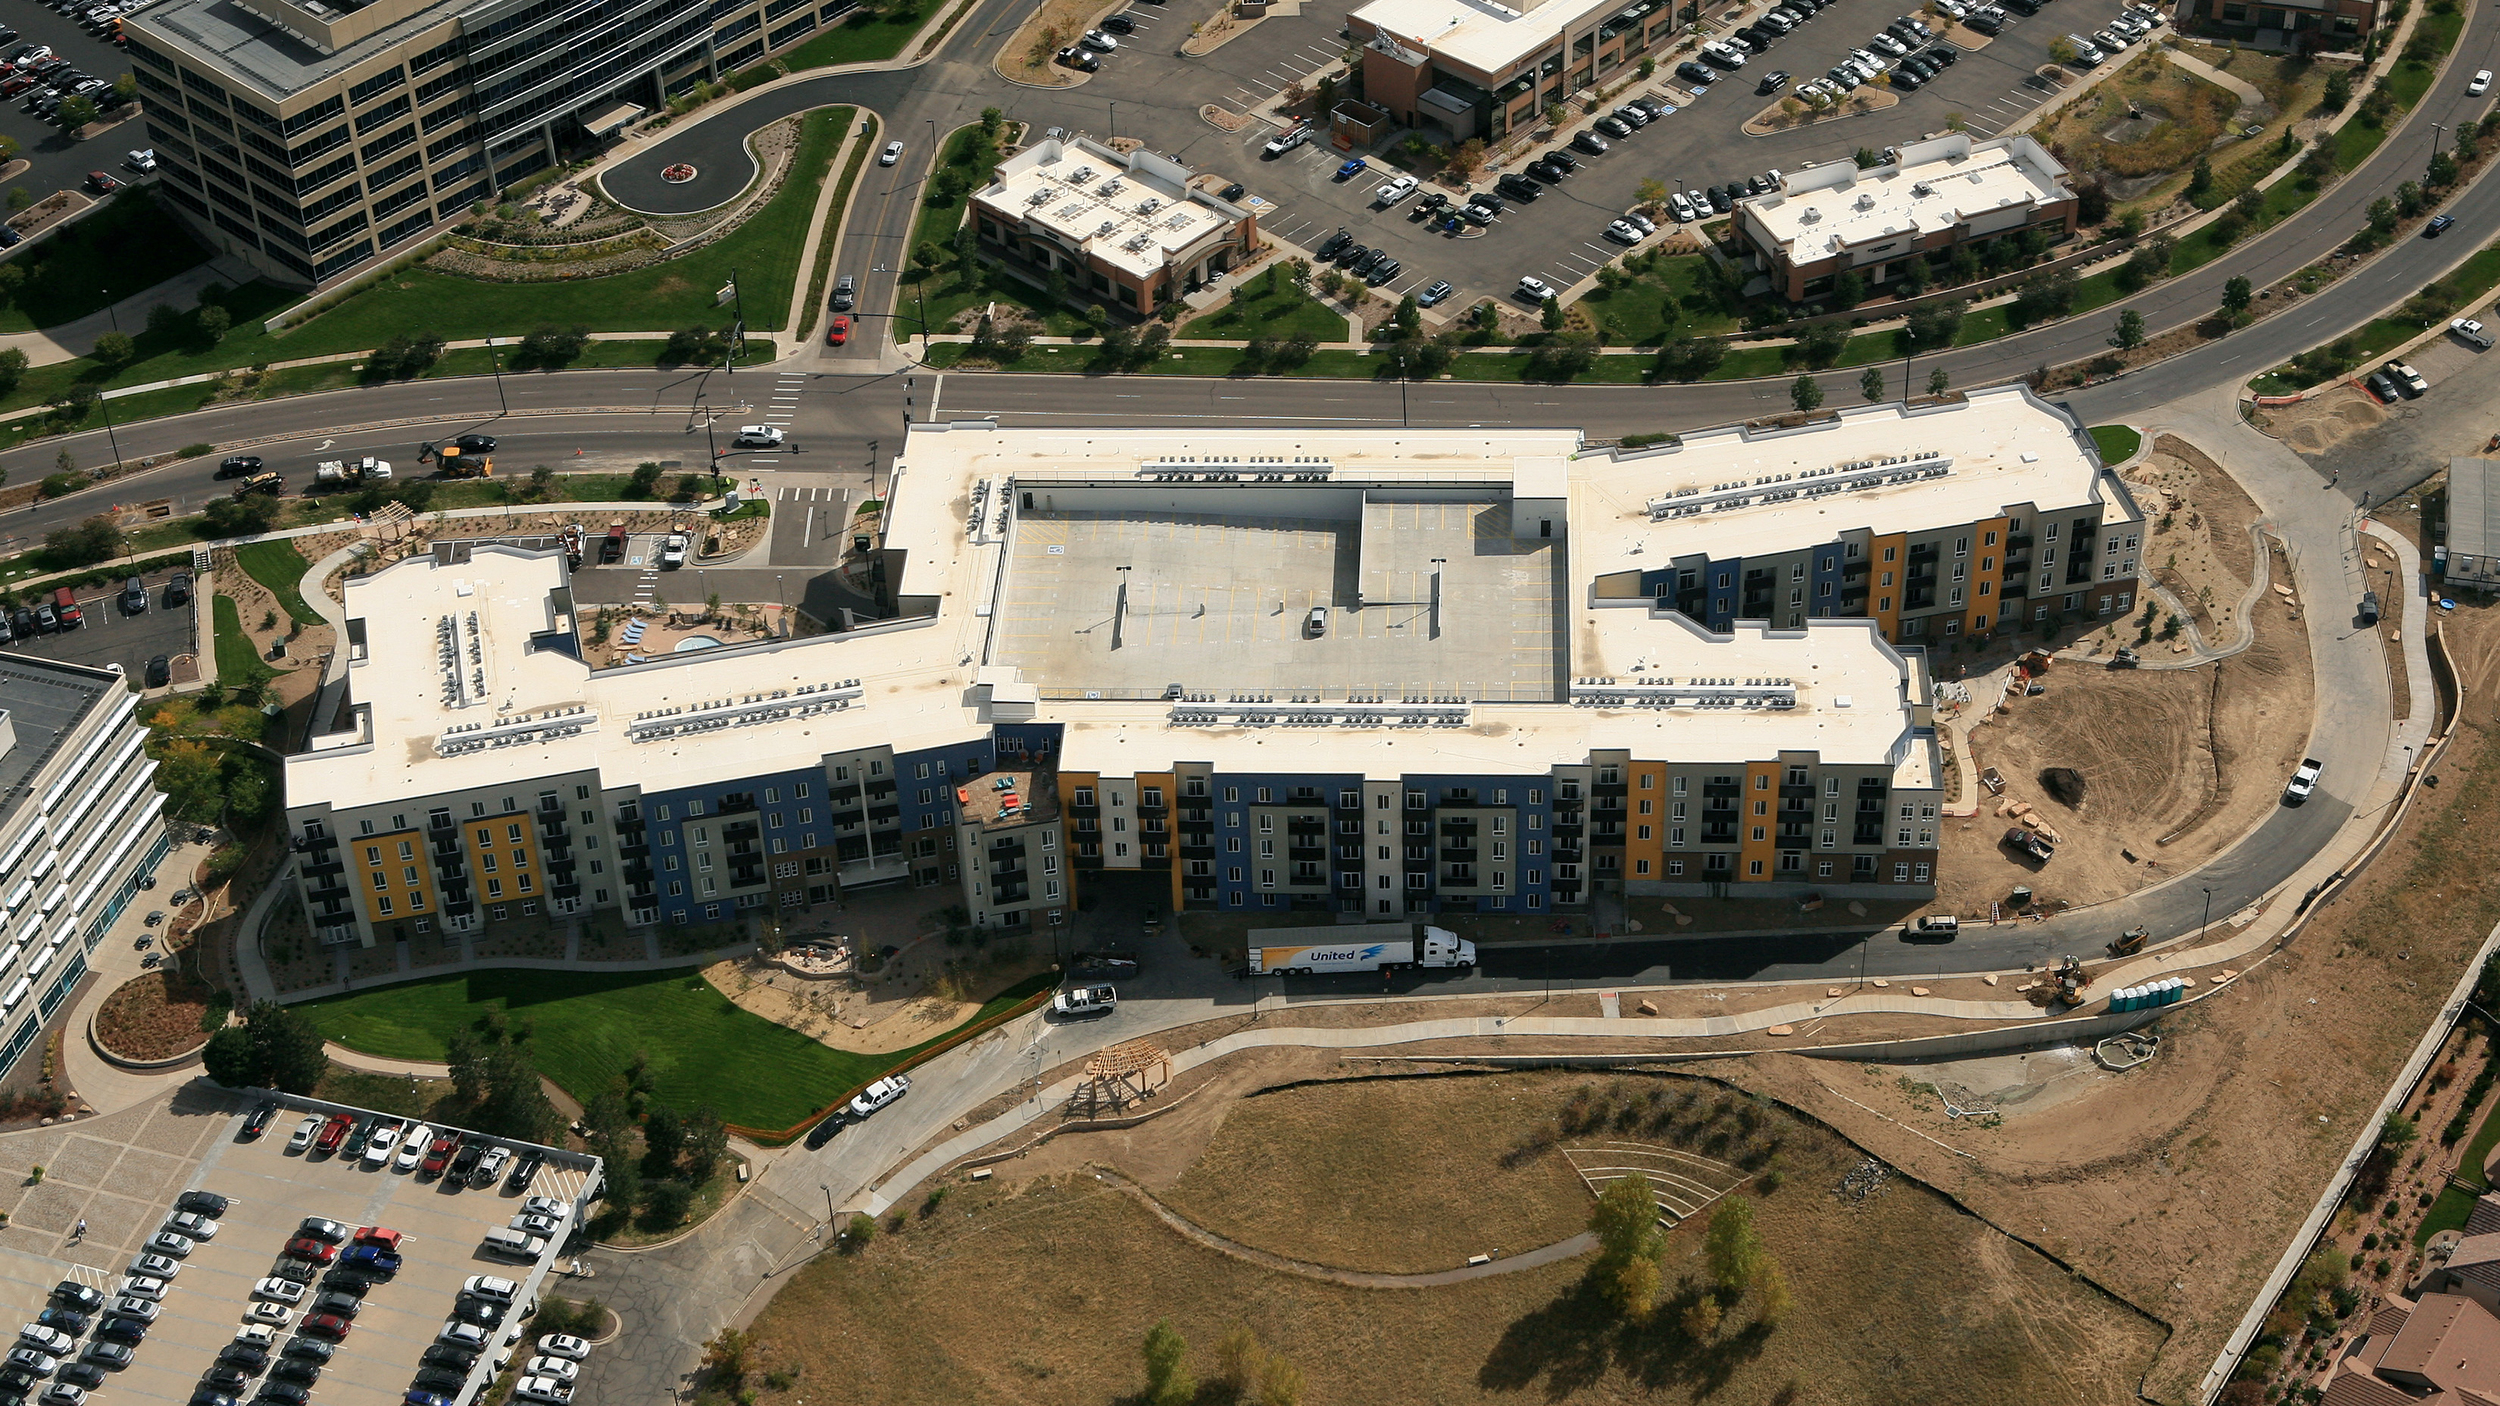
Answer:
(2067, 978)
(451, 463)
(2130, 942)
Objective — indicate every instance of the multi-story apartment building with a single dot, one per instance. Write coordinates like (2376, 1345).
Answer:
(1362, 673)
(1932, 198)
(1127, 228)
(2302, 26)
(81, 826)
(309, 137)
(2007, 521)
(1480, 70)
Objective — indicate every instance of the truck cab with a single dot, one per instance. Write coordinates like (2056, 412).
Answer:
(1444, 948)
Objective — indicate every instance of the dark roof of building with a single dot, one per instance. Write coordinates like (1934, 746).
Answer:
(45, 699)
(2484, 1217)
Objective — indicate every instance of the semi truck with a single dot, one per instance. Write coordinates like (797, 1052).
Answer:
(1370, 947)
(339, 473)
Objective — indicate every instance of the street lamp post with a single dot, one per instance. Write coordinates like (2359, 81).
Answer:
(494, 349)
(2203, 922)
(101, 403)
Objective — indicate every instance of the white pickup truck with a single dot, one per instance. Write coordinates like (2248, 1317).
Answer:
(339, 473)
(2304, 781)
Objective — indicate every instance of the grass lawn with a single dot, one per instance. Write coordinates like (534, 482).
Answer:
(863, 38)
(587, 1027)
(238, 662)
(2115, 443)
(1264, 307)
(278, 566)
(1673, 299)
(128, 247)
(1900, 1299)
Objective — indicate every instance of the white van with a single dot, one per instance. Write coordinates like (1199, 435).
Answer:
(2086, 52)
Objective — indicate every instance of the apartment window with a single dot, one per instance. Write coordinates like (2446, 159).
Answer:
(382, 905)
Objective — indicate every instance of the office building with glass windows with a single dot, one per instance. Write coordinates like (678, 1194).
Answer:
(311, 137)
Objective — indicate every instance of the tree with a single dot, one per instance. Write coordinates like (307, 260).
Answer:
(1280, 1382)
(13, 365)
(1849, 289)
(1867, 157)
(1912, 280)
(666, 1204)
(2382, 216)
(1935, 325)
(2409, 199)
(1939, 381)
(2130, 333)
(20, 197)
(706, 1144)
(1871, 385)
(1805, 393)
(240, 517)
(550, 345)
(1691, 358)
(2201, 179)
(8, 148)
(114, 350)
(2148, 261)
(163, 319)
(1168, 1380)
(2092, 202)
(727, 1357)
(287, 1048)
(1651, 191)
(1701, 1320)
(1468, 157)
(1737, 1259)
(2236, 296)
(213, 323)
(2060, 52)
(125, 86)
(1625, 1220)
(1819, 344)
(1238, 1357)
(229, 1057)
(1775, 1296)
(663, 1137)
(1550, 315)
(92, 540)
(2338, 92)
(644, 481)
(2442, 171)
(78, 112)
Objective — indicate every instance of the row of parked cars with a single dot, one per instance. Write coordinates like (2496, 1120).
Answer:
(2131, 25)
(47, 80)
(97, 16)
(120, 1320)
(1080, 55)
(462, 1159)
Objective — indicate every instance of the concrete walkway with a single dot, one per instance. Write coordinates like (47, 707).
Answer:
(72, 340)
(795, 332)
(2246, 91)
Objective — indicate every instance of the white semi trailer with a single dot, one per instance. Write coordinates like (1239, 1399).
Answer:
(1370, 947)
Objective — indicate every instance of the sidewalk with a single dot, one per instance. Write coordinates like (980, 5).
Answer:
(71, 340)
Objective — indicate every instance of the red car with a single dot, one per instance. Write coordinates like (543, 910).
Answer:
(839, 332)
(438, 1156)
(16, 85)
(333, 1132)
(102, 182)
(328, 1325)
(378, 1235)
(304, 1247)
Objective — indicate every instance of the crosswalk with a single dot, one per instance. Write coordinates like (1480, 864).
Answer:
(823, 509)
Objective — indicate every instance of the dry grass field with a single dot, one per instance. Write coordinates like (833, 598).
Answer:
(1040, 1290)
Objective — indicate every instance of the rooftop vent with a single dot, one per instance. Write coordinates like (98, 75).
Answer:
(1081, 175)
(1866, 200)
(1922, 190)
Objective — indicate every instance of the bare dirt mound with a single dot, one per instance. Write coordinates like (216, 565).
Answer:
(2169, 754)
(2065, 785)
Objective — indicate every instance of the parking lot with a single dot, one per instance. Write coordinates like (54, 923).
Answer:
(59, 162)
(120, 1176)
(110, 636)
(1559, 237)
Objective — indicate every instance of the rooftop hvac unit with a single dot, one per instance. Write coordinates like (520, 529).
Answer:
(1112, 187)
(1149, 205)
(1922, 190)
(1080, 175)
(1866, 200)
(1135, 243)
(1040, 196)
(1104, 228)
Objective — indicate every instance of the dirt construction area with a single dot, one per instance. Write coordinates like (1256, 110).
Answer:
(2167, 765)
(2324, 420)
(1898, 1296)
(2200, 549)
